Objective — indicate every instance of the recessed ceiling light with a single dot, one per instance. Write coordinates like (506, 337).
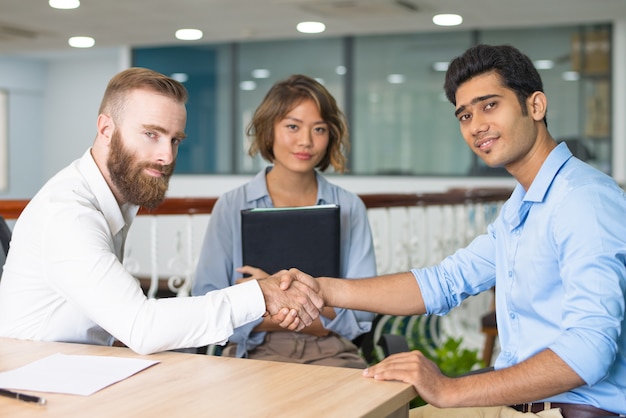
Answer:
(395, 78)
(544, 64)
(311, 27)
(180, 77)
(81, 42)
(441, 66)
(64, 4)
(247, 85)
(570, 76)
(188, 34)
(447, 20)
(341, 70)
(261, 73)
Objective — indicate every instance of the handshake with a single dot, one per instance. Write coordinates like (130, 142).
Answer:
(293, 299)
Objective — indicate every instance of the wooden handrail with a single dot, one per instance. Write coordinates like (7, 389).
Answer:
(11, 209)
(182, 206)
(450, 197)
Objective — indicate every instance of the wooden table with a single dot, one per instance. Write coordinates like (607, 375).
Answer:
(189, 385)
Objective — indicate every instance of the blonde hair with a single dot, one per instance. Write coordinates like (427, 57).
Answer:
(138, 78)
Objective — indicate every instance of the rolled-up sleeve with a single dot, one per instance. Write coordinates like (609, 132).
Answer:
(590, 235)
(467, 272)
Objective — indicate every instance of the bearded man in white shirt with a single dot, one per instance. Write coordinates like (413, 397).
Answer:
(64, 279)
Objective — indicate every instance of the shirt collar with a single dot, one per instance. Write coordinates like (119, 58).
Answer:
(547, 173)
(117, 217)
(521, 200)
(256, 189)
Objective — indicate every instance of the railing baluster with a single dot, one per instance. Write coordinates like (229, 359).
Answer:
(154, 258)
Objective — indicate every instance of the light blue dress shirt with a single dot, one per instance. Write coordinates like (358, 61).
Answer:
(556, 255)
(221, 251)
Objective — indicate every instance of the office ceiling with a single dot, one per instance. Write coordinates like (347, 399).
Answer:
(32, 26)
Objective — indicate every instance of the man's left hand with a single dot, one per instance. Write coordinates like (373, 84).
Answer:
(413, 368)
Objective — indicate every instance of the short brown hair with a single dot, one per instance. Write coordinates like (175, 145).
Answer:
(138, 78)
(280, 100)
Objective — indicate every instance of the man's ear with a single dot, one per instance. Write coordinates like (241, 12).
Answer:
(537, 105)
(106, 127)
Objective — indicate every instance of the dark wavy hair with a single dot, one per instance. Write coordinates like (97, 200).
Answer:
(514, 68)
(280, 100)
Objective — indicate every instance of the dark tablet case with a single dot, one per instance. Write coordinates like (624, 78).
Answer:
(306, 238)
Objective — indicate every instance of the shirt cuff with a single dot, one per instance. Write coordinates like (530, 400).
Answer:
(247, 302)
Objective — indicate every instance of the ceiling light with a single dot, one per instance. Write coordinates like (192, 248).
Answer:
(570, 76)
(64, 4)
(261, 73)
(81, 42)
(341, 70)
(441, 66)
(311, 27)
(395, 78)
(188, 34)
(247, 85)
(180, 77)
(544, 64)
(447, 20)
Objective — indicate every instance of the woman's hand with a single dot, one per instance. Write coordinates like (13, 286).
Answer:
(252, 272)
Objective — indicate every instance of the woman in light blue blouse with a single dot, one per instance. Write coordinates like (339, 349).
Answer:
(299, 129)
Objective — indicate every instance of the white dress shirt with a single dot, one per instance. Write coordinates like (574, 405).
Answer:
(64, 279)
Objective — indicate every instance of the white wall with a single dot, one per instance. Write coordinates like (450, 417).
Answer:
(24, 80)
(214, 185)
(53, 105)
(75, 83)
(619, 101)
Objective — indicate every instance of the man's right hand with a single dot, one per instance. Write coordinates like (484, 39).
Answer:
(298, 304)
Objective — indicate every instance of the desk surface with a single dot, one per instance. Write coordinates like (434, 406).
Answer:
(189, 385)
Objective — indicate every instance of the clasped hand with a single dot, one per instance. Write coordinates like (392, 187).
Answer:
(292, 299)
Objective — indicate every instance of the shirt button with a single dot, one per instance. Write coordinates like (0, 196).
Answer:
(510, 273)
(512, 315)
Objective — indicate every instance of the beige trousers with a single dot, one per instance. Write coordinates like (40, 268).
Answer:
(482, 412)
(293, 347)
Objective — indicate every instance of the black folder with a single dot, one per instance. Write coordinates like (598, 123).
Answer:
(305, 237)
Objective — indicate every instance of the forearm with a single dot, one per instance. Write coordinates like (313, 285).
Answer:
(394, 294)
(539, 377)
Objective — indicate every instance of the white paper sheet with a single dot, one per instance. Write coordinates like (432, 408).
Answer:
(72, 374)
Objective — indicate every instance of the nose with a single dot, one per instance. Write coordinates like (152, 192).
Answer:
(166, 151)
(305, 139)
(479, 125)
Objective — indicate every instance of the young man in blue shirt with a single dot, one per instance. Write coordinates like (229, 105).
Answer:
(556, 255)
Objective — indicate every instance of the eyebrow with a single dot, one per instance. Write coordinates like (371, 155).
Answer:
(178, 135)
(474, 101)
(319, 122)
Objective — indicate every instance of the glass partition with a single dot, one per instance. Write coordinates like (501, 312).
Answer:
(391, 89)
(402, 121)
(574, 64)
